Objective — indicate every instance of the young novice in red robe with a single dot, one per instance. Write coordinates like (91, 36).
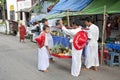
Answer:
(22, 32)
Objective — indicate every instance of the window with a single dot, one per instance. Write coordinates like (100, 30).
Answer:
(21, 16)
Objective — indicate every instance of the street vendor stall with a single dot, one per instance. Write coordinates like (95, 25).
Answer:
(103, 7)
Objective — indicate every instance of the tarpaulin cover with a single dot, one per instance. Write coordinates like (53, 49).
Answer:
(95, 7)
(62, 6)
(61, 40)
(71, 5)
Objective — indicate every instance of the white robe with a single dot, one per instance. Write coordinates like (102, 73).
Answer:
(43, 58)
(50, 39)
(91, 50)
(50, 42)
(76, 54)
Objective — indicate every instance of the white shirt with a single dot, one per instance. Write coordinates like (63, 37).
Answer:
(93, 32)
(71, 32)
(46, 40)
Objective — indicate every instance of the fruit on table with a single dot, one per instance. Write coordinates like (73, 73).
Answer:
(64, 51)
(60, 54)
(61, 50)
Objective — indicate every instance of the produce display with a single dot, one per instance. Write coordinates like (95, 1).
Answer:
(54, 33)
(61, 50)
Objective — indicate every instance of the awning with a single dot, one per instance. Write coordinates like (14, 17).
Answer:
(62, 6)
(37, 18)
(115, 8)
(95, 7)
(71, 5)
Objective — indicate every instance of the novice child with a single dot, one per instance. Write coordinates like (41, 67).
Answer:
(43, 50)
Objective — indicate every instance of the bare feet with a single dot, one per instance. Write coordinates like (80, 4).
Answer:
(44, 70)
(85, 68)
(95, 68)
(51, 60)
(22, 40)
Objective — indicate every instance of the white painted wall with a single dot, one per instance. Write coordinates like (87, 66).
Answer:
(9, 3)
(2, 28)
(17, 7)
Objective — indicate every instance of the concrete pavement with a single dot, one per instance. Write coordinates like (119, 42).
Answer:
(18, 61)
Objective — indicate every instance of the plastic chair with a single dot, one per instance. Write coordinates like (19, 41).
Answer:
(111, 59)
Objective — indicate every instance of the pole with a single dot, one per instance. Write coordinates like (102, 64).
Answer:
(3, 14)
(68, 18)
(103, 35)
(39, 10)
(39, 5)
(18, 18)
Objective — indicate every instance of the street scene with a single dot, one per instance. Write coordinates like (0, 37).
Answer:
(59, 40)
(18, 61)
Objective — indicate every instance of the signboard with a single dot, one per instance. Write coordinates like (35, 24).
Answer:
(11, 7)
(24, 4)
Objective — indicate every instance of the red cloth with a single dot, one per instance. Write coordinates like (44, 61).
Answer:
(41, 39)
(80, 40)
(105, 55)
(58, 56)
(22, 32)
(108, 30)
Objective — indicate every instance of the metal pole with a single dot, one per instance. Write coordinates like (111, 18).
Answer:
(103, 35)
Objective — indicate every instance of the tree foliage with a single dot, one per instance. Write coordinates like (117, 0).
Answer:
(2, 2)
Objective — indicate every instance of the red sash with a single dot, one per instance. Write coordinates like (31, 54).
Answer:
(80, 40)
(41, 39)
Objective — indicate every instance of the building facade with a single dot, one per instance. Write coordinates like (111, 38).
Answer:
(16, 15)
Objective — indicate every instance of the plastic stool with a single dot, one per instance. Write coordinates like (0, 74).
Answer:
(105, 55)
(111, 58)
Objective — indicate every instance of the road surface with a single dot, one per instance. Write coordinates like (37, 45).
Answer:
(18, 61)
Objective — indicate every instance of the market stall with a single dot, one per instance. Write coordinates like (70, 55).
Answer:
(105, 7)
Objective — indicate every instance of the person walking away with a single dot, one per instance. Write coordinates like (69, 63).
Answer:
(43, 50)
(91, 50)
(22, 32)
